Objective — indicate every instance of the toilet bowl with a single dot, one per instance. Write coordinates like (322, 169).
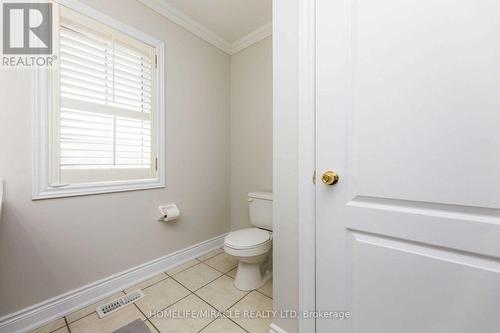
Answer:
(252, 246)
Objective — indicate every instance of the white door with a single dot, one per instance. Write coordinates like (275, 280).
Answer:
(408, 114)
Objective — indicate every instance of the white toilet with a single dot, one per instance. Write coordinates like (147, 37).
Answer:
(252, 246)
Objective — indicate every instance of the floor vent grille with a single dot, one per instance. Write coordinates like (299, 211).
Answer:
(119, 303)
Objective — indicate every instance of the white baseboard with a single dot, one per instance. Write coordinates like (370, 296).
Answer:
(64, 304)
(275, 329)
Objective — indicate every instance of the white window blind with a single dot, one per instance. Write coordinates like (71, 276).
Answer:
(106, 108)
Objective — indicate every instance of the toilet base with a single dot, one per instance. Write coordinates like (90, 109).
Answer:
(249, 276)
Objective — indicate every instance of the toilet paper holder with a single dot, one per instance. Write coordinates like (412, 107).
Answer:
(169, 212)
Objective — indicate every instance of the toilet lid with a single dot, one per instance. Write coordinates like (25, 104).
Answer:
(247, 238)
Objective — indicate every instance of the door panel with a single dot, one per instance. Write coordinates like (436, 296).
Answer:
(408, 100)
(423, 70)
(429, 289)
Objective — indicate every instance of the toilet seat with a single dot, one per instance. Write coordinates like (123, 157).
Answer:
(247, 238)
(248, 242)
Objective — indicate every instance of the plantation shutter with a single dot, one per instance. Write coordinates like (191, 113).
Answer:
(106, 103)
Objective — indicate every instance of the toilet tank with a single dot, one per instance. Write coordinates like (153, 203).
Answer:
(260, 205)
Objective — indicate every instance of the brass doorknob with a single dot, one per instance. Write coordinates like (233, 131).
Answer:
(330, 178)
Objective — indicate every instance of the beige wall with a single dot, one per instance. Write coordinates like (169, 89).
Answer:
(251, 127)
(52, 246)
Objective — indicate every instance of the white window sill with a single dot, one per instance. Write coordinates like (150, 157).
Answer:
(63, 191)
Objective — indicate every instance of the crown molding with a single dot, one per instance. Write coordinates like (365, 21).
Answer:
(202, 32)
(187, 23)
(253, 37)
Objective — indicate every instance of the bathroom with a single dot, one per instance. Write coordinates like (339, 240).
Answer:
(65, 249)
(249, 166)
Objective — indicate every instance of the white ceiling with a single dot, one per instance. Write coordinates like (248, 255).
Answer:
(229, 19)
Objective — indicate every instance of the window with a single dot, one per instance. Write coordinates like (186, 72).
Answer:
(105, 115)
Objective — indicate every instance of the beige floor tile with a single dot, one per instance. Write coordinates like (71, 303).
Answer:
(108, 324)
(223, 325)
(221, 293)
(50, 327)
(151, 327)
(62, 330)
(161, 295)
(267, 289)
(223, 262)
(183, 266)
(147, 283)
(197, 276)
(91, 308)
(232, 273)
(254, 302)
(210, 254)
(187, 324)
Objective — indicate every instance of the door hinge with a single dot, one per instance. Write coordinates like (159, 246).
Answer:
(156, 61)
(156, 163)
(314, 177)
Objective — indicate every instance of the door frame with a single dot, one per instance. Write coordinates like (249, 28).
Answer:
(294, 35)
(307, 161)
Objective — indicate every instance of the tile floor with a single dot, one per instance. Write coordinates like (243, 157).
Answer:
(201, 284)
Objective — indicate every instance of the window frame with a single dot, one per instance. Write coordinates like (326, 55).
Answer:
(44, 122)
